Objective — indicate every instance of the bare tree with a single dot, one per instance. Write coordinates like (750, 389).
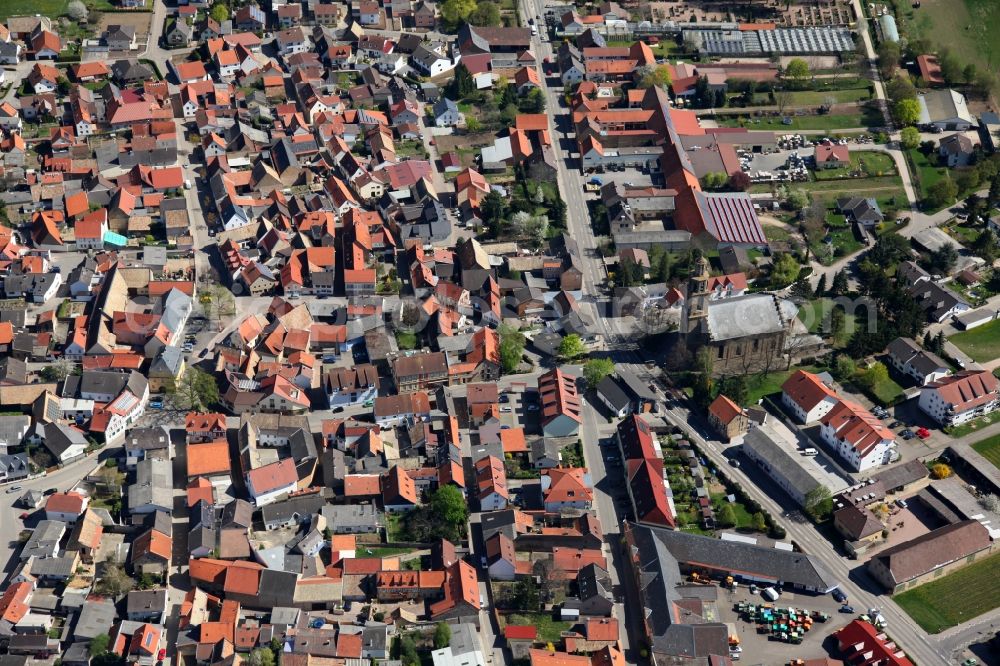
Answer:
(813, 223)
(782, 98)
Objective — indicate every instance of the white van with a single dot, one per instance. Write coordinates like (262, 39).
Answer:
(770, 594)
(534, 30)
(810, 452)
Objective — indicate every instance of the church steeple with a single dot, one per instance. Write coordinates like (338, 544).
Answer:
(697, 296)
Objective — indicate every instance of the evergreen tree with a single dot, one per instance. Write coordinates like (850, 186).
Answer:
(939, 343)
(994, 195)
(821, 286)
(928, 341)
(839, 286)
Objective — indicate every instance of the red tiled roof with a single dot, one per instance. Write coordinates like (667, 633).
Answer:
(806, 390)
(864, 645)
(208, 458)
(518, 632)
(66, 503)
(856, 426)
(724, 409)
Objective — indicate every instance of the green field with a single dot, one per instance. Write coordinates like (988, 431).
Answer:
(981, 343)
(966, 27)
(955, 598)
(50, 8)
(989, 448)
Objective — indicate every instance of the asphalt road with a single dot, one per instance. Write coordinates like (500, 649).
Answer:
(62, 479)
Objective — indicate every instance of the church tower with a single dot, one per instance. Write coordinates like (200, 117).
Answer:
(697, 296)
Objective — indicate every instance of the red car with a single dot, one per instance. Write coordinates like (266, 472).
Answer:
(923, 433)
(162, 655)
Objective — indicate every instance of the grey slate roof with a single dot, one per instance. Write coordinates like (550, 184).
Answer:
(96, 618)
(145, 601)
(749, 315)
(154, 484)
(44, 538)
(148, 439)
(789, 567)
(346, 518)
(613, 393)
(780, 459)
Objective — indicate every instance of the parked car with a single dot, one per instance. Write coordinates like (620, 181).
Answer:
(907, 434)
(846, 609)
(734, 462)
(923, 433)
(13, 489)
(895, 424)
(48, 491)
(839, 595)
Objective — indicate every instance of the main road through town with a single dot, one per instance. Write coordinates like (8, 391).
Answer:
(922, 649)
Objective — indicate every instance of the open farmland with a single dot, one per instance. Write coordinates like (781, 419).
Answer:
(966, 27)
(955, 598)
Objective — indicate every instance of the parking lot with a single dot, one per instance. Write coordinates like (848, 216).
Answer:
(763, 648)
(520, 409)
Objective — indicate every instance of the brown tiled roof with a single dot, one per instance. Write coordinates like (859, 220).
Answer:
(966, 390)
(420, 364)
(935, 549)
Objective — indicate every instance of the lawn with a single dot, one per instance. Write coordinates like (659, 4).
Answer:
(760, 385)
(989, 448)
(972, 426)
(827, 122)
(926, 170)
(814, 315)
(869, 162)
(381, 551)
(964, 232)
(955, 598)
(818, 97)
(981, 343)
(549, 630)
(886, 392)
